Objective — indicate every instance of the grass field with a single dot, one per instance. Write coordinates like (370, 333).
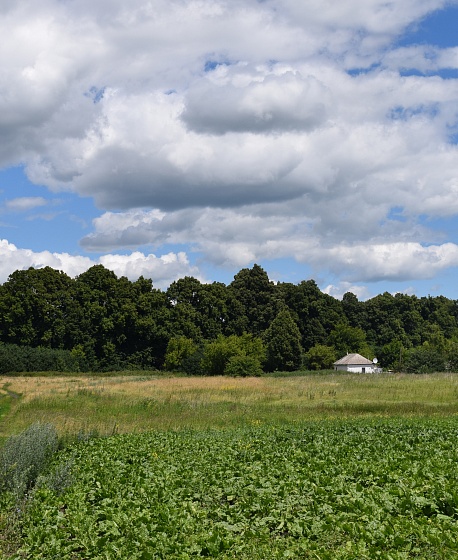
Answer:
(138, 403)
(327, 466)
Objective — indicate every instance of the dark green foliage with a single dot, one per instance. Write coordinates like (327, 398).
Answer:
(99, 322)
(391, 355)
(192, 364)
(257, 296)
(25, 456)
(425, 359)
(16, 359)
(442, 312)
(345, 339)
(283, 343)
(204, 311)
(36, 308)
(316, 313)
(320, 357)
(384, 321)
(217, 355)
(354, 311)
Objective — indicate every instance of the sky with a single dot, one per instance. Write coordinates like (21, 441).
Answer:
(173, 138)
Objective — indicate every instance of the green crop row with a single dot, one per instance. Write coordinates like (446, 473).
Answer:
(328, 490)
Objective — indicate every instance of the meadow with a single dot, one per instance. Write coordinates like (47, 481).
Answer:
(128, 404)
(328, 466)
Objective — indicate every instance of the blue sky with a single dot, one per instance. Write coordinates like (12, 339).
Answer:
(174, 138)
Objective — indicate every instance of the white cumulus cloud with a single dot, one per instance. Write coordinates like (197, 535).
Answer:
(162, 270)
(246, 130)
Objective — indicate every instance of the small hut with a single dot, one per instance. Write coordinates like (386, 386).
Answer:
(356, 363)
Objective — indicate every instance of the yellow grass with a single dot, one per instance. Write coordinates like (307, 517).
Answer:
(139, 403)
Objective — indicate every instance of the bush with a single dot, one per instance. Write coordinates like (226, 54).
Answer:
(425, 359)
(179, 350)
(243, 366)
(14, 358)
(218, 353)
(320, 357)
(25, 456)
(192, 365)
(59, 479)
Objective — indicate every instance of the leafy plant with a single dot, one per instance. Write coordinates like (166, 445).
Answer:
(283, 342)
(218, 354)
(25, 456)
(179, 350)
(59, 479)
(243, 366)
(320, 357)
(329, 490)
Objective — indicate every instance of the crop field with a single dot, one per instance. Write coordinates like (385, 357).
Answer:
(314, 467)
(328, 490)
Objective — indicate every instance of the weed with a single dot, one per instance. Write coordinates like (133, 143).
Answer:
(25, 456)
(59, 479)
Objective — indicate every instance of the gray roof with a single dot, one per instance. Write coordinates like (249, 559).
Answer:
(353, 359)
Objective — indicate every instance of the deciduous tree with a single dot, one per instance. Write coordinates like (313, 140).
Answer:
(320, 356)
(283, 343)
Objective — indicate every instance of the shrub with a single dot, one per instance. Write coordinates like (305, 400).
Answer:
(192, 365)
(25, 456)
(59, 479)
(320, 357)
(425, 359)
(243, 366)
(218, 353)
(14, 358)
(179, 350)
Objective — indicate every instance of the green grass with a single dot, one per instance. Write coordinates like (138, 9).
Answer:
(140, 403)
(5, 405)
(7, 398)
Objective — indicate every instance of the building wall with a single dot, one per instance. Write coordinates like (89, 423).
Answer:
(360, 369)
(356, 368)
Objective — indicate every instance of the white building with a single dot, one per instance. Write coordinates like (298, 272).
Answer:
(356, 363)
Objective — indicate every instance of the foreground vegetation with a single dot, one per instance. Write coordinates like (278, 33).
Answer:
(330, 490)
(327, 466)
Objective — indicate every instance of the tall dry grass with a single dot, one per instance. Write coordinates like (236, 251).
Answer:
(130, 404)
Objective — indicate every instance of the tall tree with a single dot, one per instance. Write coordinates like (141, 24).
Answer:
(253, 289)
(36, 308)
(346, 339)
(317, 313)
(384, 321)
(283, 343)
(209, 306)
(354, 310)
(121, 321)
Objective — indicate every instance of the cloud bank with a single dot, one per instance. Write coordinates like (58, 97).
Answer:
(249, 130)
(163, 269)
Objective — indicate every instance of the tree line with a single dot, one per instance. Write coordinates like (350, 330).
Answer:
(99, 322)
